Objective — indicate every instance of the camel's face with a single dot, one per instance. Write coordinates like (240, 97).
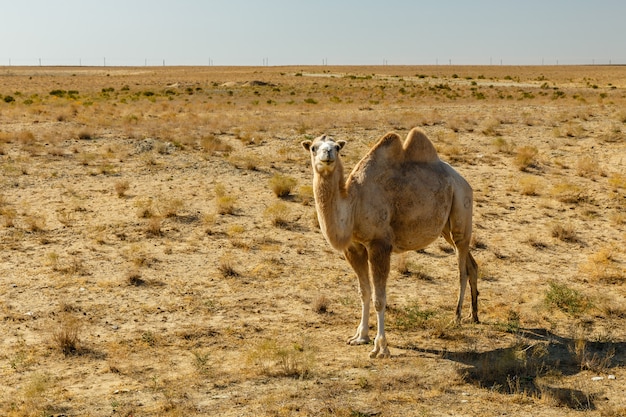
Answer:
(324, 152)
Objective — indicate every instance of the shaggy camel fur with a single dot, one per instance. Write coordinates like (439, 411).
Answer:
(399, 197)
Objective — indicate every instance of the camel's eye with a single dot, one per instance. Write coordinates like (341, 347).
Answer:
(314, 149)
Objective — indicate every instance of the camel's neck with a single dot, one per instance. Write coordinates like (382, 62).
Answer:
(334, 208)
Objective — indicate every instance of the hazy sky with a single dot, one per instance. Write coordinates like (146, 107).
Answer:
(300, 32)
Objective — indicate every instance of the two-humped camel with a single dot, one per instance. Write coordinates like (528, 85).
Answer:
(399, 197)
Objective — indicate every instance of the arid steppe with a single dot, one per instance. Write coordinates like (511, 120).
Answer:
(161, 254)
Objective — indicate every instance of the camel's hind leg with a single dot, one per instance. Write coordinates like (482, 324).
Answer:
(357, 257)
(467, 269)
(472, 271)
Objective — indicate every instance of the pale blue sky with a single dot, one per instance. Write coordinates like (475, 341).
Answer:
(303, 32)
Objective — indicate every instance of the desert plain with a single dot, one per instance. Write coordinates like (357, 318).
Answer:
(161, 254)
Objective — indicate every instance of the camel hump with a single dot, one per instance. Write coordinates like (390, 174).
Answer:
(389, 147)
(418, 148)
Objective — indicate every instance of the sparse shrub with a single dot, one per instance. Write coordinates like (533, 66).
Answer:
(282, 185)
(289, 360)
(121, 187)
(602, 266)
(85, 134)
(225, 202)
(588, 166)
(526, 157)
(490, 127)
(320, 304)
(9, 215)
(227, 268)
(8, 99)
(35, 222)
(66, 335)
(565, 299)
(213, 145)
(202, 363)
(503, 146)
(133, 277)
(145, 208)
(154, 225)
(305, 192)
(278, 214)
(411, 316)
(569, 193)
(58, 93)
(169, 207)
(529, 185)
(565, 233)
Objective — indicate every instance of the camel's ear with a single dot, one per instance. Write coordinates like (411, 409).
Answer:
(306, 144)
(341, 143)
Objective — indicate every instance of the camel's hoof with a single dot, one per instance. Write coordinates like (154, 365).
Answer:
(383, 354)
(454, 323)
(473, 319)
(355, 341)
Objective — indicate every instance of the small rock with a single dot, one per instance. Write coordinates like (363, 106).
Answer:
(611, 377)
(597, 378)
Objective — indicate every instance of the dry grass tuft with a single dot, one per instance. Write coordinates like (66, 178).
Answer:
(529, 185)
(321, 304)
(66, 335)
(227, 267)
(225, 202)
(282, 185)
(589, 166)
(278, 213)
(526, 157)
(154, 226)
(271, 358)
(565, 233)
(121, 187)
(569, 193)
(214, 145)
(503, 146)
(602, 266)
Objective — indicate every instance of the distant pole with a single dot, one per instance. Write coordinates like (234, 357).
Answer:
(163, 62)
(39, 61)
(104, 60)
(145, 62)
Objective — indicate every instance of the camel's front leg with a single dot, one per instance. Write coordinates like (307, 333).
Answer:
(357, 257)
(379, 260)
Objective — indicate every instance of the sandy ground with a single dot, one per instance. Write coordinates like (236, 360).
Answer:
(143, 270)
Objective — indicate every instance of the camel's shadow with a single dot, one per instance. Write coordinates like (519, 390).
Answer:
(540, 357)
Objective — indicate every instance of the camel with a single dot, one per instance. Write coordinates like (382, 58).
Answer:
(399, 197)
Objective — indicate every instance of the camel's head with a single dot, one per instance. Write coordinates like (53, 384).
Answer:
(324, 152)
